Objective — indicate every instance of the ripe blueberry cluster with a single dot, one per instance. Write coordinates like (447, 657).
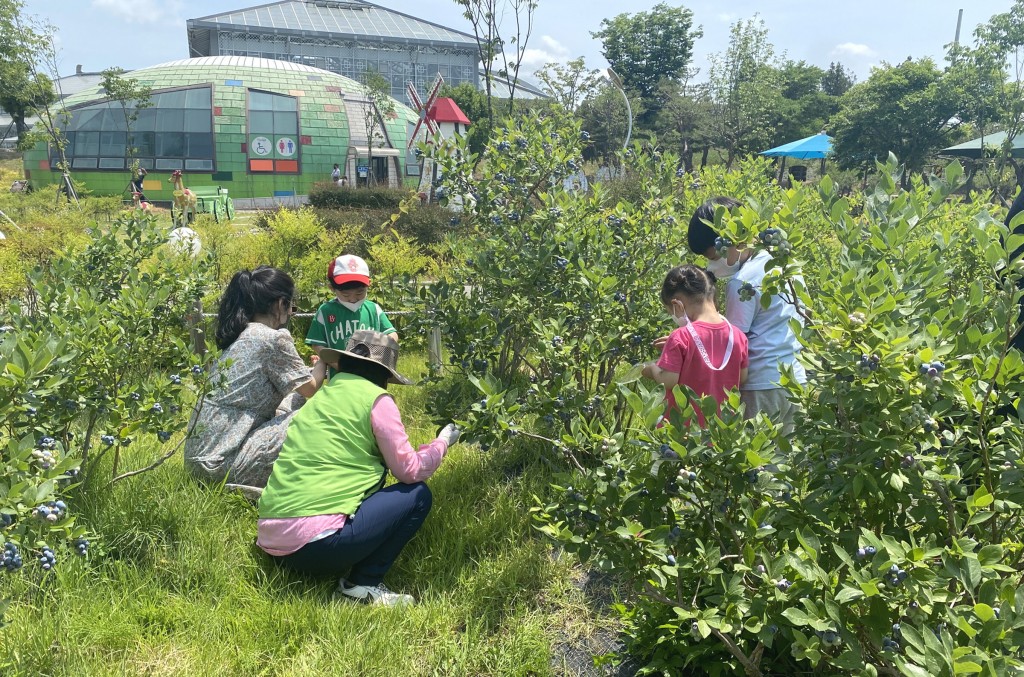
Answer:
(782, 584)
(163, 435)
(747, 291)
(896, 575)
(135, 396)
(869, 363)
(584, 136)
(866, 551)
(889, 644)
(620, 297)
(10, 558)
(46, 558)
(561, 262)
(51, 511)
(81, 546)
(175, 379)
(107, 440)
(555, 211)
(722, 244)
(197, 370)
(522, 142)
(857, 319)
(504, 147)
(933, 370)
(668, 453)
(571, 165)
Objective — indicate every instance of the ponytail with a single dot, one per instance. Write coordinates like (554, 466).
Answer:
(250, 294)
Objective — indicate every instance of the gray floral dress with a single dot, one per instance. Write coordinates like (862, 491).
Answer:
(240, 426)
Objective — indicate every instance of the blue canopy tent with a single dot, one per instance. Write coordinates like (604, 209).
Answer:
(816, 147)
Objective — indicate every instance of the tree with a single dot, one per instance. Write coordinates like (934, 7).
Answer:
(803, 107)
(744, 86)
(907, 109)
(604, 116)
(22, 87)
(132, 97)
(645, 47)
(379, 107)
(837, 79)
(997, 101)
(487, 18)
(684, 119)
(569, 84)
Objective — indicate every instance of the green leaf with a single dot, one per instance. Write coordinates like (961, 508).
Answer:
(796, 616)
(984, 612)
(809, 542)
(966, 667)
(848, 595)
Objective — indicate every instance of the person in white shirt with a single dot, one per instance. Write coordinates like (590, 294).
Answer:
(772, 343)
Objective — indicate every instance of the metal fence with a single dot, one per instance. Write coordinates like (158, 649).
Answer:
(199, 334)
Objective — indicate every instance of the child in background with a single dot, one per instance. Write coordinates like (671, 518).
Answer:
(706, 353)
(349, 311)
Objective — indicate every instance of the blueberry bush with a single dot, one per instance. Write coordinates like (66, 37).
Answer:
(94, 357)
(883, 536)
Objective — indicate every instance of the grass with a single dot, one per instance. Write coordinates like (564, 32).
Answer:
(177, 586)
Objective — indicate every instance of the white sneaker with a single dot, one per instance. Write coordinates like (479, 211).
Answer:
(371, 594)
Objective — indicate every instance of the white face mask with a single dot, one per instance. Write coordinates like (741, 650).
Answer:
(354, 307)
(681, 320)
(722, 269)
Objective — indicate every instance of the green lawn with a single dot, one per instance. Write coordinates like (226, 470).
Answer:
(175, 585)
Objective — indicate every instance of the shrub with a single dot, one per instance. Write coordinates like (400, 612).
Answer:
(77, 380)
(883, 536)
(329, 196)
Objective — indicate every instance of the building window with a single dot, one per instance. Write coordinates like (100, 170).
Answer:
(273, 133)
(177, 127)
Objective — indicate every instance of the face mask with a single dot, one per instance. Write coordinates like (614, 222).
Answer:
(354, 307)
(681, 320)
(721, 268)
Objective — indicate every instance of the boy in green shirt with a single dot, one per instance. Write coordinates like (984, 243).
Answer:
(349, 310)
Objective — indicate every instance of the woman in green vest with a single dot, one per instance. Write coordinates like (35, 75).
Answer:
(325, 510)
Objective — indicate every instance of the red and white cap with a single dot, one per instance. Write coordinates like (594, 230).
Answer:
(348, 268)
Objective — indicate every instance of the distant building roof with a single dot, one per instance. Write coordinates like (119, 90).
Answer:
(446, 110)
(73, 84)
(337, 18)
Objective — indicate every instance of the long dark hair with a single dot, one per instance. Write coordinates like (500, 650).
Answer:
(250, 294)
(689, 280)
(700, 236)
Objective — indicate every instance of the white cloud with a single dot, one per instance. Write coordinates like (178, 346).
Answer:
(727, 17)
(140, 11)
(853, 49)
(551, 50)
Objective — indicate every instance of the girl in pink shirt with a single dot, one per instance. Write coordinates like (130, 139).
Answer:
(706, 353)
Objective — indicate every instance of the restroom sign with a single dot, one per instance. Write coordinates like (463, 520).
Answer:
(286, 146)
(261, 146)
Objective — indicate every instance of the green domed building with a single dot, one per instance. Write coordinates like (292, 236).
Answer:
(266, 130)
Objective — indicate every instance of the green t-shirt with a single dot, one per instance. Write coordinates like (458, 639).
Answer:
(334, 323)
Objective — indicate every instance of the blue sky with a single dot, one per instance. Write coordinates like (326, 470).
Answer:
(135, 33)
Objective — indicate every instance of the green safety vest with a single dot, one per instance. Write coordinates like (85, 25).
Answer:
(330, 461)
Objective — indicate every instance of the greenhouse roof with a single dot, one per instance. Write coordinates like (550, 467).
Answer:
(348, 18)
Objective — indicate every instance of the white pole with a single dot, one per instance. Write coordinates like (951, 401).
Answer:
(617, 81)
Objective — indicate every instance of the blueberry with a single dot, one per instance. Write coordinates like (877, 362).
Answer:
(557, 342)
(163, 435)
(671, 560)
(157, 408)
(894, 569)
(760, 568)
(861, 553)
(896, 629)
(107, 440)
(870, 550)
(584, 136)
(783, 584)
(31, 411)
(620, 297)
(175, 379)
(197, 370)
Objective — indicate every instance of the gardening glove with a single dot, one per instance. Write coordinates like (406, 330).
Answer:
(449, 434)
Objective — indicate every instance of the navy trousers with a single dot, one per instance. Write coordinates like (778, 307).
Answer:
(371, 539)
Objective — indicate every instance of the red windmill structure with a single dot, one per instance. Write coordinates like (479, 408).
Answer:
(442, 117)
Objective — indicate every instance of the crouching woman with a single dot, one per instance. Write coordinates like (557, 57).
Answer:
(325, 510)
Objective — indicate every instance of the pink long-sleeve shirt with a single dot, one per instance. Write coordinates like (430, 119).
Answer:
(283, 536)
